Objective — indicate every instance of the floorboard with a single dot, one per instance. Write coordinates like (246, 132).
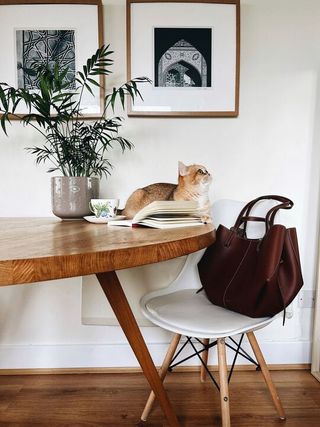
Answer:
(118, 399)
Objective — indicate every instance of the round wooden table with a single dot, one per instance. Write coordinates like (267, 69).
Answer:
(36, 249)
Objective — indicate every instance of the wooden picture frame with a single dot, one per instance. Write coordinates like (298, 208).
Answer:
(191, 51)
(20, 19)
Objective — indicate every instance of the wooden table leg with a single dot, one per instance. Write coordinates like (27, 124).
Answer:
(119, 303)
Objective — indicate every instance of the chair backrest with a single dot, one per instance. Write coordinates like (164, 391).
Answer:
(224, 212)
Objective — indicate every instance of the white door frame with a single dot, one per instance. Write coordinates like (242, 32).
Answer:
(315, 366)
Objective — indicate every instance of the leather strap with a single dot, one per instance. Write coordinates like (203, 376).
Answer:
(244, 215)
(273, 211)
(252, 218)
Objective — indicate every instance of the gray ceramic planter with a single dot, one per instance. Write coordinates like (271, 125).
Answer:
(71, 195)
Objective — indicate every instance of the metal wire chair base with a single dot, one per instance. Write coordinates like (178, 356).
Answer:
(236, 347)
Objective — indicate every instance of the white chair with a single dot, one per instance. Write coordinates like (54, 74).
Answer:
(179, 309)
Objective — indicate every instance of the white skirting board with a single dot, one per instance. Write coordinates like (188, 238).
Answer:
(121, 355)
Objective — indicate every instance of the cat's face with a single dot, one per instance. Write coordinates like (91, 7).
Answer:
(195, 175)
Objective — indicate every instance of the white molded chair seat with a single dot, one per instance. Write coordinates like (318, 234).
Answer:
(192, 314)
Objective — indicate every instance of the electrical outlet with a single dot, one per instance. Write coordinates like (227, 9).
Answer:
(307, 299)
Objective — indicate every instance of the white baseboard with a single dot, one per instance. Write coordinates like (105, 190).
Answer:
(121, 355)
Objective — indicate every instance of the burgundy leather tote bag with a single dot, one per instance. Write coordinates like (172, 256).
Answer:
(254, 277)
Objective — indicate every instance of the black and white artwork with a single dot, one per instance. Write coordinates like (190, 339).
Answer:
(182, 57)
(44, 47)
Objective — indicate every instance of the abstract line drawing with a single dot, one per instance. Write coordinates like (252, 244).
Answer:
(182, 57)
(44, 47)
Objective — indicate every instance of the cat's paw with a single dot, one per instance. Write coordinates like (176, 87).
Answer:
(206, 219)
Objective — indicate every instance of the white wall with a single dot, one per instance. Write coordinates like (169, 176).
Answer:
(272, 147)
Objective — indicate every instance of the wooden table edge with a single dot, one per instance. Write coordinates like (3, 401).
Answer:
(32, 270)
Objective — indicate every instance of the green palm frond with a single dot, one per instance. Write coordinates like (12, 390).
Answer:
(72, 145)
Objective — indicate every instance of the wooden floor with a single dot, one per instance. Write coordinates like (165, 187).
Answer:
(118, 399)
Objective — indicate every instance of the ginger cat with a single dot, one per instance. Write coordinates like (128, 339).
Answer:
(193, 184)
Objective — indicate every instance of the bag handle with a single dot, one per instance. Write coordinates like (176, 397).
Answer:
(244, 215)
(273, 211)
(248, 207)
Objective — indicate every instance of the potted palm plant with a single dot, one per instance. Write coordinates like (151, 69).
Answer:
(73, 146)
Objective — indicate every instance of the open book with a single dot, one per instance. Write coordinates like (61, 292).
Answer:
(165, 214)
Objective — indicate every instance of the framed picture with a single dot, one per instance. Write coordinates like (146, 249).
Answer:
(66, 32)
(191, 51)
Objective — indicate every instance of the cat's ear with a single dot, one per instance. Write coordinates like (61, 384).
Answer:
(183, 169)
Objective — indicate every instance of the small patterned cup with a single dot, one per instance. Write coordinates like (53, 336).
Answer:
(104, 208)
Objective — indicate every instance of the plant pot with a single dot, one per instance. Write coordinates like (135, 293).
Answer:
(70, 195)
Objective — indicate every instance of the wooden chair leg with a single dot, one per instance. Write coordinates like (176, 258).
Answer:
(162, 373)
(224, 387)
(204, 355)
(266, 374)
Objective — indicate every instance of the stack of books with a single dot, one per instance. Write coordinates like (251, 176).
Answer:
(165, 214)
